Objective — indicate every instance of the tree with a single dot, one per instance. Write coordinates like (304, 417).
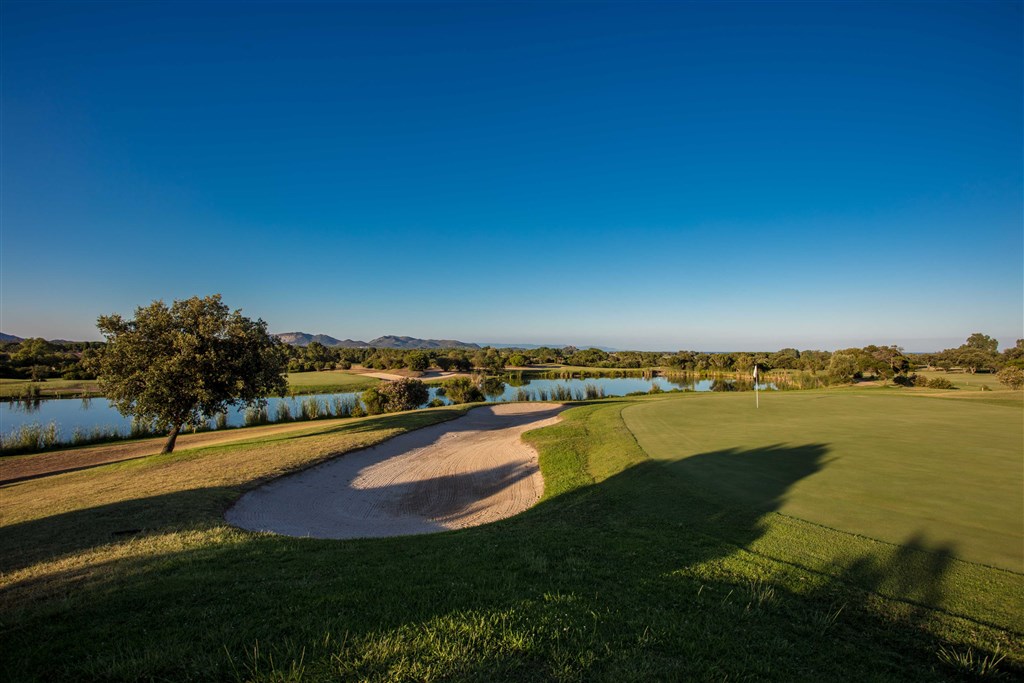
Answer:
(417, 361)
(973, 359)
(743, 362)
(981, 342)
(843, 366)
(1014, 355)
(177, 366)
(518, 360)
(891, 357)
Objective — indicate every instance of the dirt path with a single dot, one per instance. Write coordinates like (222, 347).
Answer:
(22, 467)
(428, 376)
(470, 471)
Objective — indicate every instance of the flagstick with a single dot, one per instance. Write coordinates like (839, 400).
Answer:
(757, 397)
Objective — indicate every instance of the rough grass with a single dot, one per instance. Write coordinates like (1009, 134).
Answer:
(966, 381)
(626, 570)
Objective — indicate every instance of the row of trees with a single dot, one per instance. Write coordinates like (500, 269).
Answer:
(978, 353)
(39, 359)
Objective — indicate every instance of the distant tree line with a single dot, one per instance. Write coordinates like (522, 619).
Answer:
(40, 359)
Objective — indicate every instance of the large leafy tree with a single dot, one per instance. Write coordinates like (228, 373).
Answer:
(170, 367)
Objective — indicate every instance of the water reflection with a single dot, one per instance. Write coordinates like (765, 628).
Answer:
(84, 415)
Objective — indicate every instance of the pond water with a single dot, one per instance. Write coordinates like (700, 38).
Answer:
(87, 414)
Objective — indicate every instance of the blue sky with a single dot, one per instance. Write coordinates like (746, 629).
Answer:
(637, 175)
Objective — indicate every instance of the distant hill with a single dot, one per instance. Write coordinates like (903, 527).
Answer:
(385, 342)
(305, 339)
(609, 349)
(9, 338)
(392, 342)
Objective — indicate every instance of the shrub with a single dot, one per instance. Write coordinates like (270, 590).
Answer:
(492, 386)
(462, 390)
(905, 380)
(940, 383)
(392, 397)
(1011, 376)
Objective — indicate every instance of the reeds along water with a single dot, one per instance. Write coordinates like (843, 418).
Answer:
(35, 437)
(255, 415)
(30, 437)
(560, 393)
(344, 407)
(309, 409)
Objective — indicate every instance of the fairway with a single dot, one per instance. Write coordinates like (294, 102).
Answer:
(50, 388)
(905, 469)
(328, 381)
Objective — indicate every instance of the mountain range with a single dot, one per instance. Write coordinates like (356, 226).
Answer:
(389, 341)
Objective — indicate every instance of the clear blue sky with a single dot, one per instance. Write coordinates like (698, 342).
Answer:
(639, 175)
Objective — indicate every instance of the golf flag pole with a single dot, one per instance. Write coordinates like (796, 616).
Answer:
(757, 398)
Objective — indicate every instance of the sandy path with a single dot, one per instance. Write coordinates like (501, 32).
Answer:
(429, 376)
(469, 471)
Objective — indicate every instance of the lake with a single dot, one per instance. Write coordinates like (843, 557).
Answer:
(87, 414)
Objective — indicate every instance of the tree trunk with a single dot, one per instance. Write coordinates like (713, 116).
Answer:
(171, 438)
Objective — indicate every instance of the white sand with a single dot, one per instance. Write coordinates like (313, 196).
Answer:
(469, 471)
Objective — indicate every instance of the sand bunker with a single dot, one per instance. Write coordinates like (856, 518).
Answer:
(470, 471)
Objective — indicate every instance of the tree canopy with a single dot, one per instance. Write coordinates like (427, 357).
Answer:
(175, 366)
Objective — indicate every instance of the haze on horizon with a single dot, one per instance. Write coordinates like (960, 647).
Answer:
(654, 176)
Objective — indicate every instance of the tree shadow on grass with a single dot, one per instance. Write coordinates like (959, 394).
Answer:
(639, 577)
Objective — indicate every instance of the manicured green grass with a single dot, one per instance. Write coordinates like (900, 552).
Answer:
(630, 568)
(948, 473)
(66, 388)
(328, 382)
(966, 381)
(848, 475)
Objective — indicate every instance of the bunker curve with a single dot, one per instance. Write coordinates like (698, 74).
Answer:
(469, 471)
